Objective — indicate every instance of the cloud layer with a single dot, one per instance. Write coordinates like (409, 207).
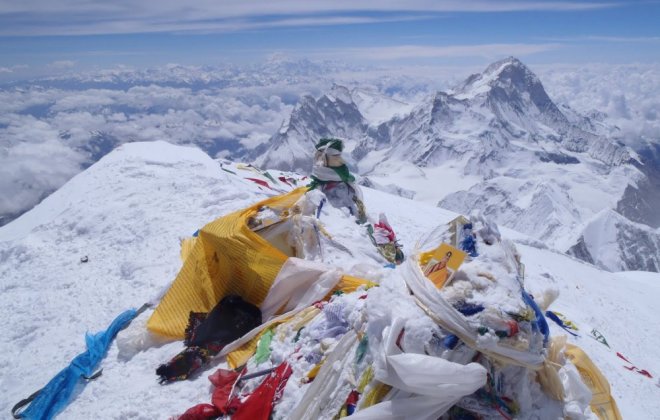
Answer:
(628, 94)
(73, 17)
(50, 130)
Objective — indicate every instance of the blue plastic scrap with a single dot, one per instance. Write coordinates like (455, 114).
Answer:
(559, 322)
(468, 309)
(540, 323)
(54, 397)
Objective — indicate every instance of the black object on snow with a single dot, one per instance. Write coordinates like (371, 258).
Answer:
(207, 334)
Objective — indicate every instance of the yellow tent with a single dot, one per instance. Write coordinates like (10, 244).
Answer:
(226, 258)
(602, 402)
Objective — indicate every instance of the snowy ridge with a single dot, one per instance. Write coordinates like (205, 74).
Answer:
(378, 108)
(332, 115)
(615, 243)
(127, 213)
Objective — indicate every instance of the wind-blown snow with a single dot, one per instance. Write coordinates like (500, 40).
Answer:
(127, 213)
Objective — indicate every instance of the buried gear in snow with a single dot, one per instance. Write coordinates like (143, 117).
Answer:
(383, 237)
(206, 335)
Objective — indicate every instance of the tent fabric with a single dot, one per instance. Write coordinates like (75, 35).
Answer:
(299, 284)
(602, 402)
(437, 383)
(187, 246)
(227, 258)
(548, 377)
(441, 311)
(318, 394)
(56, 394)
(244, 348)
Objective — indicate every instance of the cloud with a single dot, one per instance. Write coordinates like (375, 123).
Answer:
(12, 69)
(44, 130)
(62, 64)
(399, 52)
(604, 38)
(33, 162)
(629, 95)
(72, 17)
(623, 39)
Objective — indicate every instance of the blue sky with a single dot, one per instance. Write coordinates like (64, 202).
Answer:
(44, 36)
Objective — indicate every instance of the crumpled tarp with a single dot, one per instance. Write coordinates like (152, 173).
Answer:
(227, 258)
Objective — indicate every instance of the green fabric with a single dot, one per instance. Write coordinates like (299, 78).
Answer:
(297, 337)
(269, 176)
(343, 173)
(599, 337)
(263, 348)
(333, 144)
(227, 170)
(361, 350)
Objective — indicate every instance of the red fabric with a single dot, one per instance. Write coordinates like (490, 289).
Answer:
(353, 398)
(224, 381)
(623, 357)
(634, 368)
(259, 404)
(260, 182)
(513, 328)
(390, 232)
(283, 179)
(200, 412)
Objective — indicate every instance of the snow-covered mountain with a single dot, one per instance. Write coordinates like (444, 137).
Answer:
(615, 243)
(547, 168)
(497, 143)
(127, 212)
(73, 119)
(333, 114)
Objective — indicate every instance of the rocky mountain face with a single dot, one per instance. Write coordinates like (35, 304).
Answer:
(615, 243)
(334, 114)
(641, 201)
(539, 168)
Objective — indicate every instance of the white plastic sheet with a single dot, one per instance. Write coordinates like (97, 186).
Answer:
(442, 312)
(432, 385)
(298, 284)
(324, 390)
(578, 396)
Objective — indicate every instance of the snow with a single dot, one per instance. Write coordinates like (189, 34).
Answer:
(429, 184)
(378, 108)
(128, 212)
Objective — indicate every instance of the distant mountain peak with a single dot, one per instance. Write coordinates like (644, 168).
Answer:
(341, 93)
(509, 73)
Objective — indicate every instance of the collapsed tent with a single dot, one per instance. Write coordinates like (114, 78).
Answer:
(451, 334)
(226, 258)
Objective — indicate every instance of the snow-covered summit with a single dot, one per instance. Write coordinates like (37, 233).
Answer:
(127, 213)
(334, 114)
(509, 72)
(615, 243)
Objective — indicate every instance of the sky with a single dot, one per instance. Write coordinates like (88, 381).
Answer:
(39, 37)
